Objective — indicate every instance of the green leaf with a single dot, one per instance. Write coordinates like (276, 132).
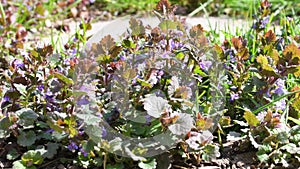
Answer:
(51, 150)
(265, 148)
(63, 78)
(182, 125)
(21, 88)
(263, 151)
(94, 132)
(32, 157)
(88, 145)
(292, 54)
(167, 25)
(115, 166)
(137, 27)
(179, 56)
(144, 83)
(291, 148)
(251, 118)
(53, 60)
(89, 119)
(128, 44)
(4, 125)
(148, 165)
(129, 74)
(27, 117)
(155, 105)
(210, 152)
(296, 104)
(19, 165)
(26, 138)
(263, 157)
(283, 137)
(12, 154)
(59, 135)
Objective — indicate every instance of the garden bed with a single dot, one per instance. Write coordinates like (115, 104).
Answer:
(167, 93)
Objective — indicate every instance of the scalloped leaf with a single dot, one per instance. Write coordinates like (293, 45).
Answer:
(51, 150)
(295, 70)
(183, 124)
(296, 104)
(219, 51)
(263, 60)
(269, 71)
(196, 31)
(292, 54)
(166, 25)
(274, 55)
(291, 148)
(32, 157)
(155, 105)
(243, 54)
(26, 139)
(89, 119)
(251, 118)
(148, 165)
(4, 125)
(19, 165)
(137, 27)
(27, 117)
(63, 78)
(210, 152)
(163, 5)
(270, 37)
(107, 42)
(237, 43)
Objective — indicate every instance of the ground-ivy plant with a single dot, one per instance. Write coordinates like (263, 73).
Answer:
(78, 105)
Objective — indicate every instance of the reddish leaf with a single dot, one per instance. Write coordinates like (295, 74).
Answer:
(107, 42)
(270, 37)
(196, 31)
(237, 43)
(292, 54)
(137, 27)
(163, 4)
(265, 4)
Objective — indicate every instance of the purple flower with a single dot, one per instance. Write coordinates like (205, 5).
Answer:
(172, 44)
(160, 73)
(40, 87)
(205, 65)
(280, 87)
(179, 33)
(163, 43)
(234, 96)
(49, 131)
(49, 95)
(166, 55)
(80, 132)
(104, 132)
(29, 8)
(72, 146)
(85, 154)
(261, 116)
(74, 51)
(148, 119)
(280, 105)
(122, 57)
(17, 63)
(83, 101)
(264, 22)
(5, 99)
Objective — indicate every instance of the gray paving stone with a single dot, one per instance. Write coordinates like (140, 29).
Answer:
(118, 26)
